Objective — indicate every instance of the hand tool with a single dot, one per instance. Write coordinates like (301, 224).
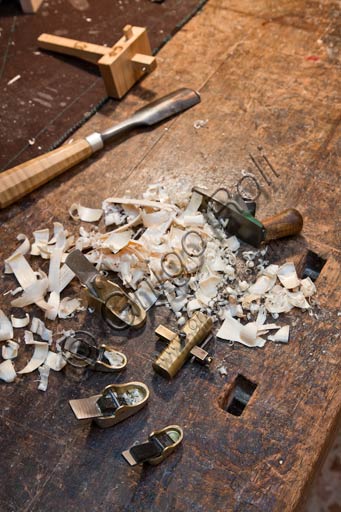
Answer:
(160, 445)
(116, 307)
(79, 348)
(182, 345)
(116, 403)
(22, 179)
(121, 66)
(237, 220)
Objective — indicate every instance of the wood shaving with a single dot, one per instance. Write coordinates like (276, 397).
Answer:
(41, 239)
(39, 355)
(287, 275)
(44, 372)
(6, 329)
(18, 323)
(68, 306)
(23, 249)
(233, 330)
(85, 214)
(7, 371)
(282, 335)
(55, 361)
(216, 274)
(38, 327)
(10, 350)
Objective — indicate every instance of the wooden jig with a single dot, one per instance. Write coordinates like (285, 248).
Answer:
(121, 66)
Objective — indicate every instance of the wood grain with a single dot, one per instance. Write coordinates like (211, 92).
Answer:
(85, 51)
(287, 223)
(257, 88)
(19, 181)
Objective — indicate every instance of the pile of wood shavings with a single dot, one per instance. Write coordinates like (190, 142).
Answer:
(165, 251)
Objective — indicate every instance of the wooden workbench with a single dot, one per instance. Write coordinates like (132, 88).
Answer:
(267, 76)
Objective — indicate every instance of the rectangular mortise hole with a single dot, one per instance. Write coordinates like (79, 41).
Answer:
(313, 265)
(239, 396)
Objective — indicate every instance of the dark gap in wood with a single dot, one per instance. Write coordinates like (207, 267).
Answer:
(238, 396)
(313, 265)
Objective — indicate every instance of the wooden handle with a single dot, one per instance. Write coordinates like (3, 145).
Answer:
(85, 51)
(22, 179)
(289, 222)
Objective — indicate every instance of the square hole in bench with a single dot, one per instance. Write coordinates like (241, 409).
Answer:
(313, 265)
(238, 397)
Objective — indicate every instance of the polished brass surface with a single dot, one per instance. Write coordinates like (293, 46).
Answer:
(90, 408)
(174, 433)
(180, 345)
(114, 305)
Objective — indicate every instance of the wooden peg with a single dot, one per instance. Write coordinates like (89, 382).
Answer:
(128, 32)
(121, 66)
(143, 63)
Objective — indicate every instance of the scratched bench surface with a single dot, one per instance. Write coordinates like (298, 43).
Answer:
(264, 79)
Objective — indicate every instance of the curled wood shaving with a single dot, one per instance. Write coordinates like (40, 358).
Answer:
(85, 214)
(307, 287)
(68, 306)
(44, 372)
(41, 239)
(10, 350)
(39, 355)
(55, 361)
(33, 294)
(23, 249)
(6, 329)
(140, 203)
(18, 323)
(7, 371)
(233, 330)
(282, 335)
(287, 275)
(38, 327)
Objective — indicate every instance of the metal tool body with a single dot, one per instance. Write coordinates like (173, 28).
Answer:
(160, 445)
(81, 351)
(116, 403)
(19, 181)
(183, 345)
(236, 218)
(116, 307)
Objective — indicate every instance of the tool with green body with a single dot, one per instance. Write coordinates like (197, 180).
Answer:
(237, 219)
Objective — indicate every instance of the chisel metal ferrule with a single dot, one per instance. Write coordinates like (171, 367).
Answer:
(95, 140)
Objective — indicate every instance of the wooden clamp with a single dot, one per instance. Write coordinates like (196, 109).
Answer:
(121, 66)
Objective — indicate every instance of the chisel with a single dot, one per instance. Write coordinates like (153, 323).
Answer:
(22, 179)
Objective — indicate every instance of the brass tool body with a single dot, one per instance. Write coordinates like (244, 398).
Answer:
(80, 350)
(22, 179)
(183, 345)
(116, 403)
(159, 446)
(238, 220)
(115, 306)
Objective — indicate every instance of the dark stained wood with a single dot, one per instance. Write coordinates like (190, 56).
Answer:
(257, 88)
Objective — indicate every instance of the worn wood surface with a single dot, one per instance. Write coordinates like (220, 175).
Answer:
(251, 62)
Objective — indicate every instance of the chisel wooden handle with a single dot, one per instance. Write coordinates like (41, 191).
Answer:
(289, 222)
(22, 179)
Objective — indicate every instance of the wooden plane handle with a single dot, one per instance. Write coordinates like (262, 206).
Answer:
(22, 179)
(85, 51)
(289, 222)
